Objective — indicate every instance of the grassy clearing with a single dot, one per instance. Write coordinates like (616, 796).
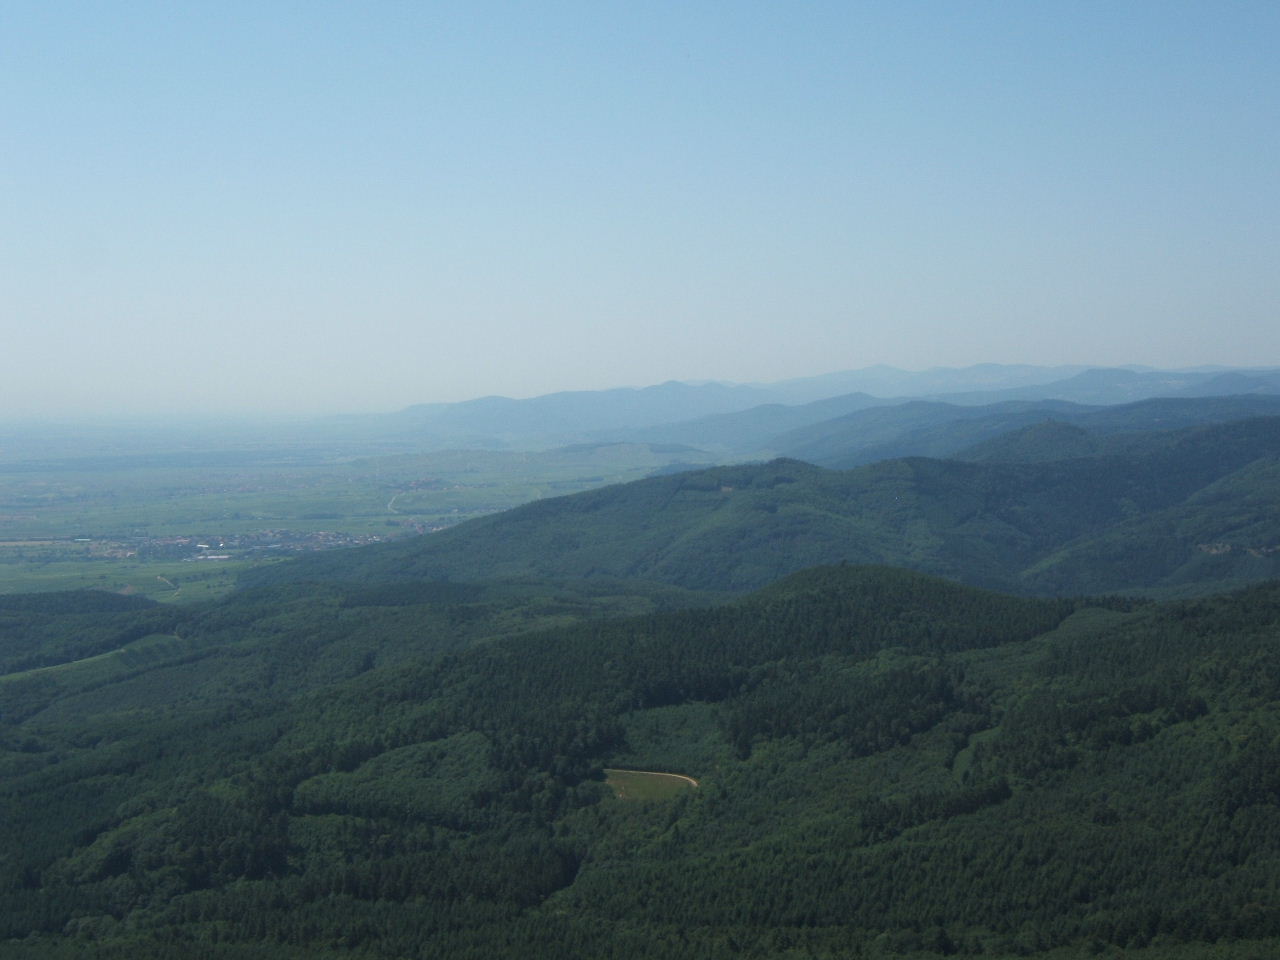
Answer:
(648, 785)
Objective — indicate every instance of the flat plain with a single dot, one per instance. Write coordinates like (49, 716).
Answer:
(182, 527)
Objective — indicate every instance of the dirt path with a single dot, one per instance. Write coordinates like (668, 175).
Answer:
(659, 773)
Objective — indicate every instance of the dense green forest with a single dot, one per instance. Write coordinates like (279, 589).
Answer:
(889, 765)
(401, 751)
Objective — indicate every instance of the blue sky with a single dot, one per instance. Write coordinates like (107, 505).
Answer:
(298, 207)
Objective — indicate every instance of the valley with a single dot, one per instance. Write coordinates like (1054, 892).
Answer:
(1020, 701)
(125, 522)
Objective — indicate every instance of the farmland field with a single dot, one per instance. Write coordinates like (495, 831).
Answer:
(180, 526)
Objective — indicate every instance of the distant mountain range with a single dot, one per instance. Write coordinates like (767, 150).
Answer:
(733, 420)
(723, 422)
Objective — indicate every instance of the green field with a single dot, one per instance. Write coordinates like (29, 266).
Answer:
(137, 523)
(62, 565)
(648, 785)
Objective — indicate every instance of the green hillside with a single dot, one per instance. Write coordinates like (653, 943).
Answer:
(889, 765)
(746, 432)
(995, 524)
(914, 428)
(1044, 441)
(937, 429)
(1226, 534)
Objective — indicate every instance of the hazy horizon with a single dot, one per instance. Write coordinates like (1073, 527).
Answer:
(238, 210)
(151, 419)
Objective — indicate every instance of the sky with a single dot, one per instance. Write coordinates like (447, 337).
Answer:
(289, 207)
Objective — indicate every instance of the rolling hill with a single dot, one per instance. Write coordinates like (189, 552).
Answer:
(935, 429)
(987, 523)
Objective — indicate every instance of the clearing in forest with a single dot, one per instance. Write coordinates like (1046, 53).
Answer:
(648, 784)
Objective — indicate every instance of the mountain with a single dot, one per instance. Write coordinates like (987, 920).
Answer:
(1045, 440)
(676, 412)
(746, 432)
(857, 428)
(737, 528)
(1124, 428)
(1227, 533)
(886, 381)
(886, 765)
(913, 428)
(689, 413)
(572, 416)
(1265, 381)
(681, 412)
(935, 429)
(1105, 385)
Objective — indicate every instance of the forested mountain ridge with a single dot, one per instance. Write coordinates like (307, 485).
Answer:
(745, 432)
(855, 429)
(890, 765)
(998, 524)
(943, 429)
(1128, 428)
